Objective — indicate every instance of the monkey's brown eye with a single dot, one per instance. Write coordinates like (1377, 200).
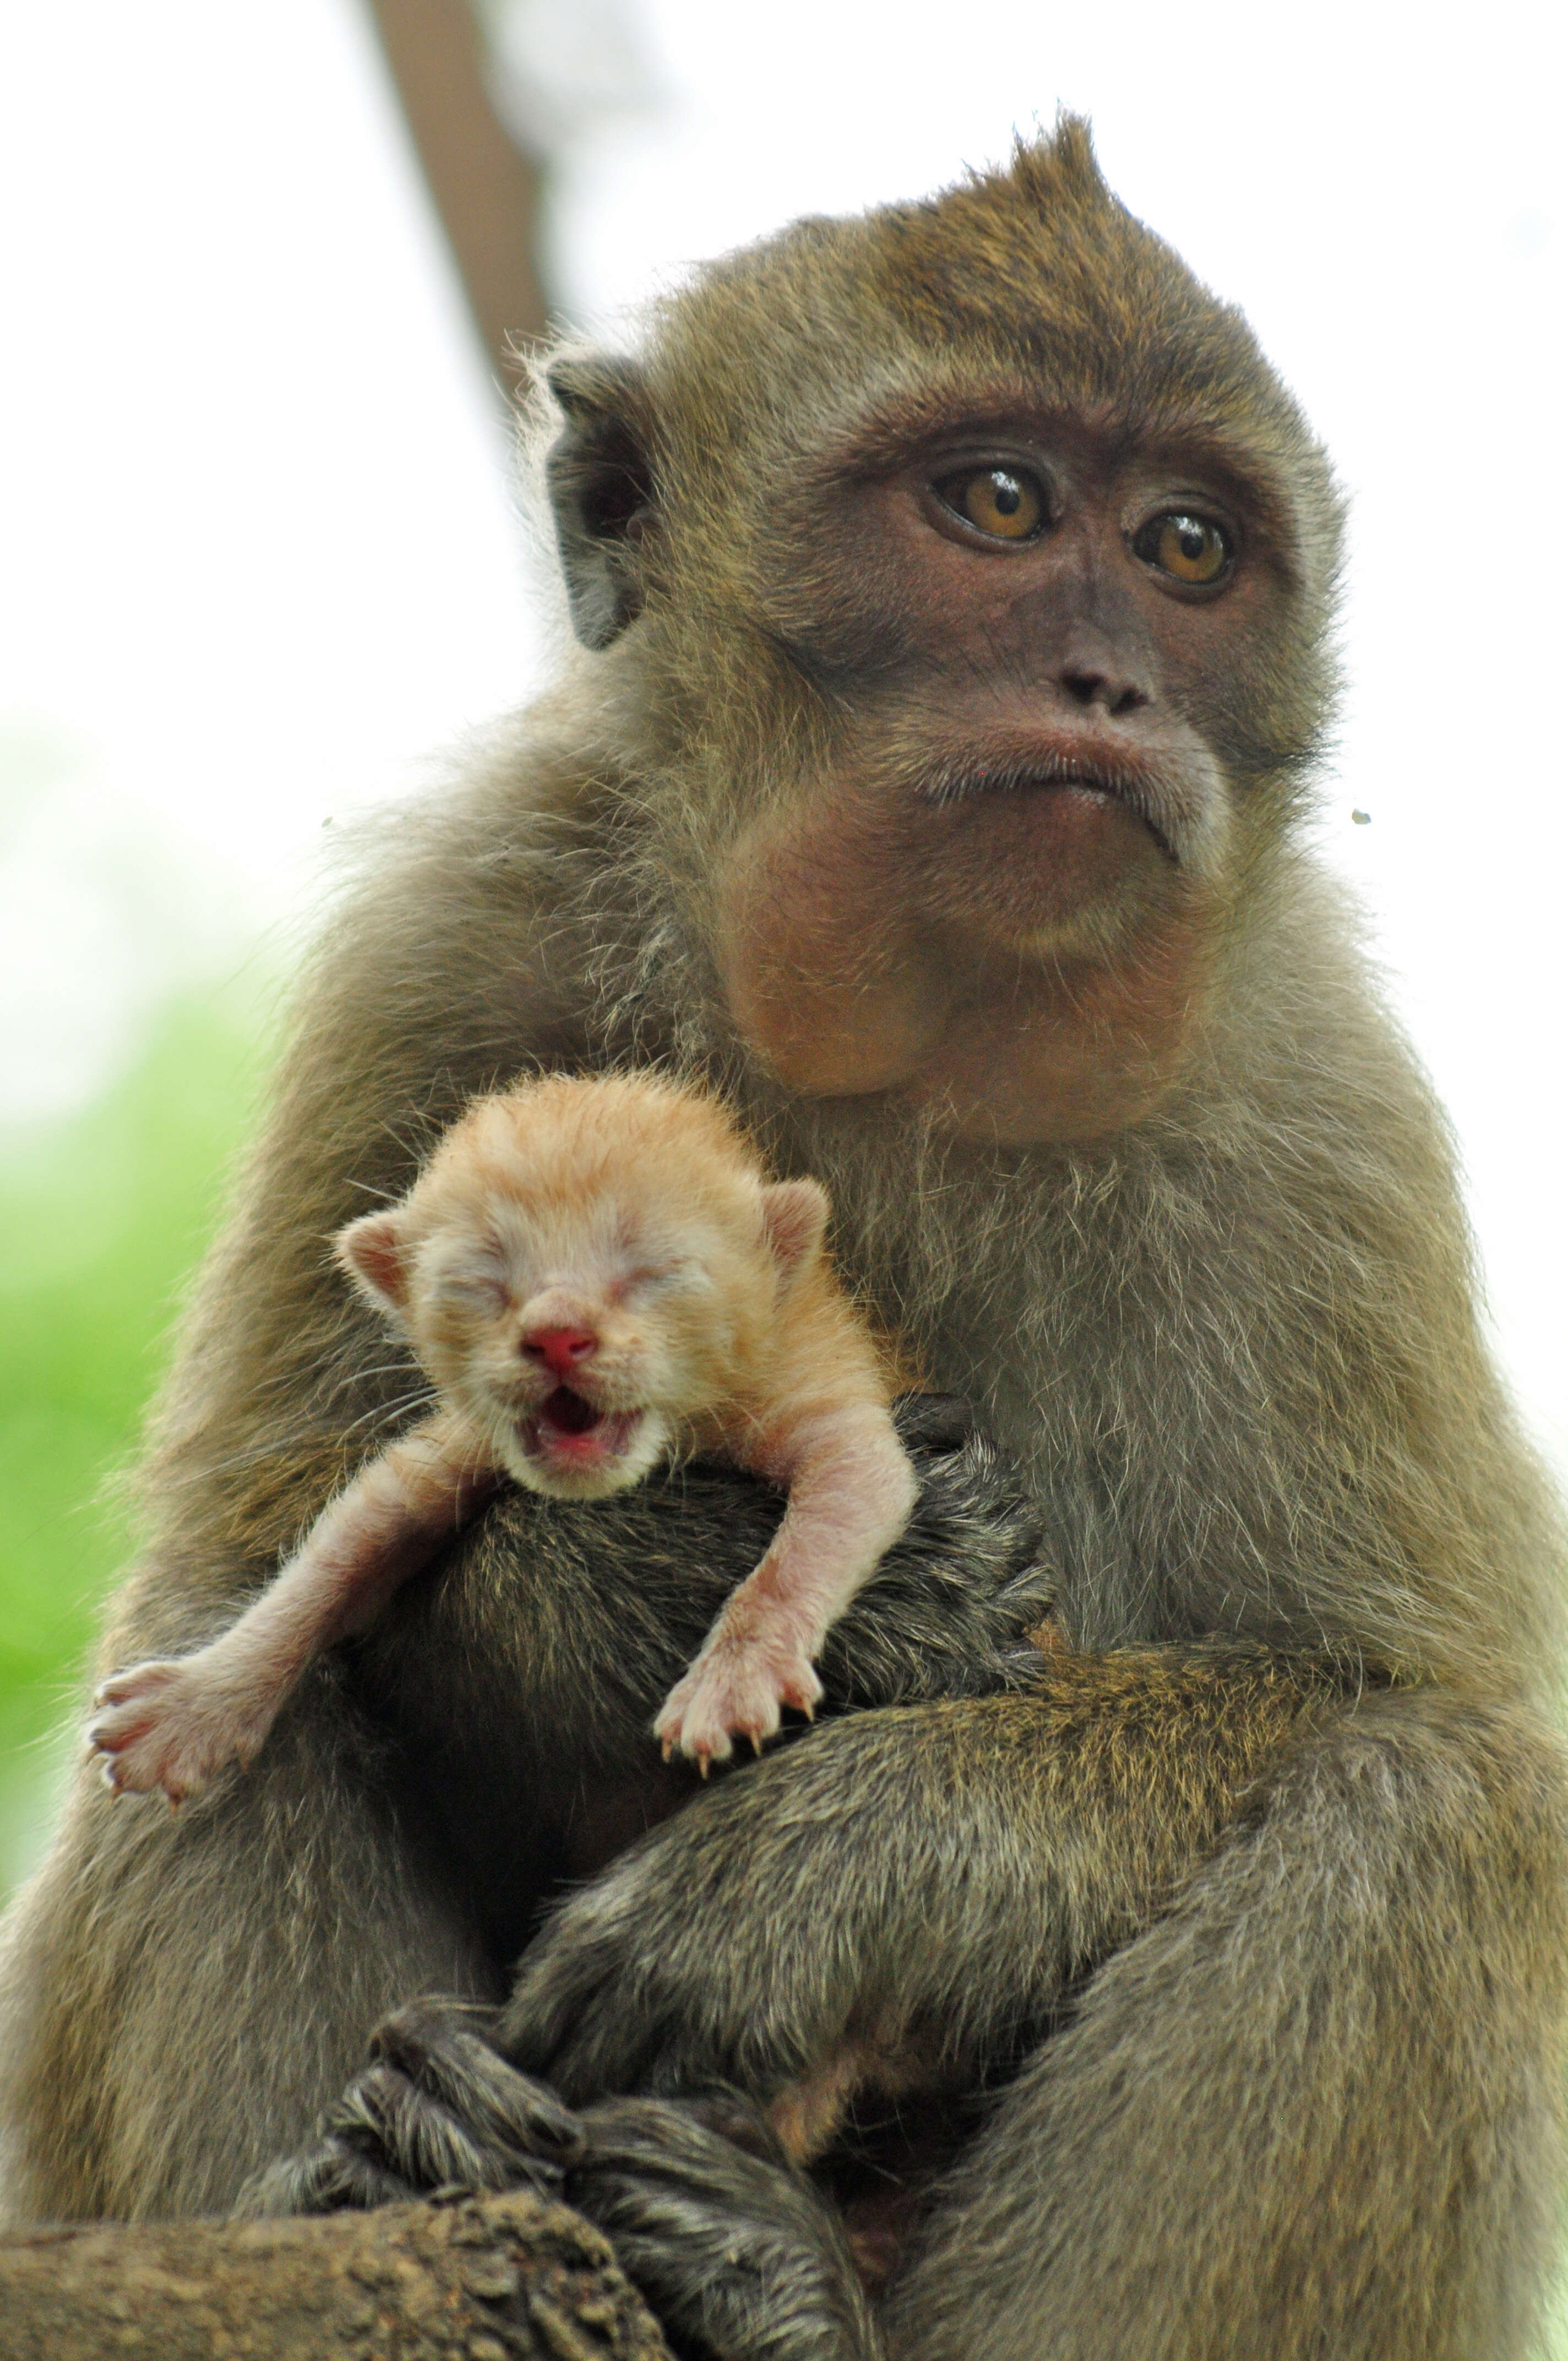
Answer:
(1188, 548)
(1000, 502)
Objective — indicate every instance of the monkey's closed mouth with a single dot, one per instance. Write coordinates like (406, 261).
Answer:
(1112, 783)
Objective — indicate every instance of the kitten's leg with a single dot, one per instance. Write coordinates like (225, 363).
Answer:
(851, 1490)
(171, 1722)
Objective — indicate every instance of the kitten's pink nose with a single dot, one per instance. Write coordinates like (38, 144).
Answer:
(562, 1350)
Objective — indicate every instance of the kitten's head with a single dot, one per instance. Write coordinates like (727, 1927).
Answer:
(585, 1266)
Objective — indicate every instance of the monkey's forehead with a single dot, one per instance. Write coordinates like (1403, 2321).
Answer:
(1028, 287)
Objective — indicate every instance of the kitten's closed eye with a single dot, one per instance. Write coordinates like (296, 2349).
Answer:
(475, 1281)
(682, 1275)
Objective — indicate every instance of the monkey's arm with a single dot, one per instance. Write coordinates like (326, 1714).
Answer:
(948, 1869)
(851, 1490)
(171, 1722)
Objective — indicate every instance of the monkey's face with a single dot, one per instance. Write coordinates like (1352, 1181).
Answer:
(1003, 892)
(975, 571)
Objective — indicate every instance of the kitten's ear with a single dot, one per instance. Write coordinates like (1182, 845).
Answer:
(795, 1222)
(374, 1253)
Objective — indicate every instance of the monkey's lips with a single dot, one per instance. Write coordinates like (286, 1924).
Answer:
(570, 1436)
(1062, 798)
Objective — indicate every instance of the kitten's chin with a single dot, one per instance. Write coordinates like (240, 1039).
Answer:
(570, 1449)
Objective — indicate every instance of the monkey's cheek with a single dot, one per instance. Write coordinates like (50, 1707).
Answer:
(827, 1009)
(834, 1037)
(827, 970)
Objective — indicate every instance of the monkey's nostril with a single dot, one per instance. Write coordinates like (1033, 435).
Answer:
(560, 1350)
(1087, 688)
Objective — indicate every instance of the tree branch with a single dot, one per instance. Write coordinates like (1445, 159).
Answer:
(485, 189)
(489, 2278)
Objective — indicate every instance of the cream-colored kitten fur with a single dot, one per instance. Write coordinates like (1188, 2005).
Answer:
(597, 1276)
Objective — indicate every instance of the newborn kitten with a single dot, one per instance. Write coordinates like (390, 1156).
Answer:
(597, 1276)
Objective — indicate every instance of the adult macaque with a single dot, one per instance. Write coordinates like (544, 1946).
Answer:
(957, 592)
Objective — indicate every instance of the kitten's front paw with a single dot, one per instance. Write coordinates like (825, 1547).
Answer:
(737, 1688)
(154, 1728)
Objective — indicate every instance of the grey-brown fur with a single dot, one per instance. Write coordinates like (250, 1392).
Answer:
(1281, 1832)
(493, 1737)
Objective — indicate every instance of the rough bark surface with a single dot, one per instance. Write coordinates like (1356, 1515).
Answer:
(489, 2278)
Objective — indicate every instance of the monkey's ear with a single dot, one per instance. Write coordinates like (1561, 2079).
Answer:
(601, 489)
(373, 1252)
(795, 1222)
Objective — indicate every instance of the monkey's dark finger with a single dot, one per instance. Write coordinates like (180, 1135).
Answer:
(423, 2021)
(447, 2052)
(406, 2131)
(691, 2141)
(933, 1421)
(735, 2252)
(332, 2178)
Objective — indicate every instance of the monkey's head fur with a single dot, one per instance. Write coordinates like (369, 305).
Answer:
(969, 574)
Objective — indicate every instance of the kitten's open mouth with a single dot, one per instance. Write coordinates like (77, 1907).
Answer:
(568, 1413)
(569, 1435)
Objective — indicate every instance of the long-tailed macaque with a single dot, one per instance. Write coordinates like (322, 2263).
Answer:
(956, 589)
(595, 1277)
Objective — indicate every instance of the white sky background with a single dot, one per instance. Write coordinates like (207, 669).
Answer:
(257, 555)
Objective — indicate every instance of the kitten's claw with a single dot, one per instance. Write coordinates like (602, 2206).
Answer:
(165, 1725)
(737, 1688)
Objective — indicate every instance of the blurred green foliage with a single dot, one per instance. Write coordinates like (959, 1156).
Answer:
(101, 1221)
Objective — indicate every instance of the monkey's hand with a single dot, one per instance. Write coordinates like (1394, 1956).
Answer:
(436, 2107)
(735, 2252)
(736, 1689)
(171, 1724)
